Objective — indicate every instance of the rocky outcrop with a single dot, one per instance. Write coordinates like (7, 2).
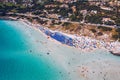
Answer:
(115, 53)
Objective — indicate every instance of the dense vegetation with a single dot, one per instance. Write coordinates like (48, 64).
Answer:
(39, 8)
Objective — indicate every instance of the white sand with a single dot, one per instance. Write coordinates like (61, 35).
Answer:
(97, 65)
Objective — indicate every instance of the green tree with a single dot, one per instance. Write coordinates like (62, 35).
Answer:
(97, 19)
(117, 21)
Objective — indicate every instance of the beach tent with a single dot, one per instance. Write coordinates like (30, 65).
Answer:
(59, 37)
(47, 32)
(62, 38)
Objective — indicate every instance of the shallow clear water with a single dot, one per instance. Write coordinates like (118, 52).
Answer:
(17, 60)
(23, 56)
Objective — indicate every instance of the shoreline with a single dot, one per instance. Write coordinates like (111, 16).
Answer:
(76, 64)
(80, 42)
(8, 18)
(108, 46)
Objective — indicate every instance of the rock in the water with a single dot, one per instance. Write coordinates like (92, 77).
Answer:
(48, 53)
(115, 53)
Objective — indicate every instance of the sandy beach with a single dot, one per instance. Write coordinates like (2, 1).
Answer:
(83, 43)
(59, 39)
(79, 65)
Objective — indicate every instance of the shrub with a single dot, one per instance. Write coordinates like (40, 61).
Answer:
(100, 33)
(105, 28)
(118, 30)
(93, 30)
(66, 24)
(115, 37)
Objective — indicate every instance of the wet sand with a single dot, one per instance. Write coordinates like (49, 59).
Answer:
(79, 65)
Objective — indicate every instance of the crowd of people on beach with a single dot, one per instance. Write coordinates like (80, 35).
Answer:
(81, 42)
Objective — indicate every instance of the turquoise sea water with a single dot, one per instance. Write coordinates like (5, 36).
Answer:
(23, 56)
(17, 61)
